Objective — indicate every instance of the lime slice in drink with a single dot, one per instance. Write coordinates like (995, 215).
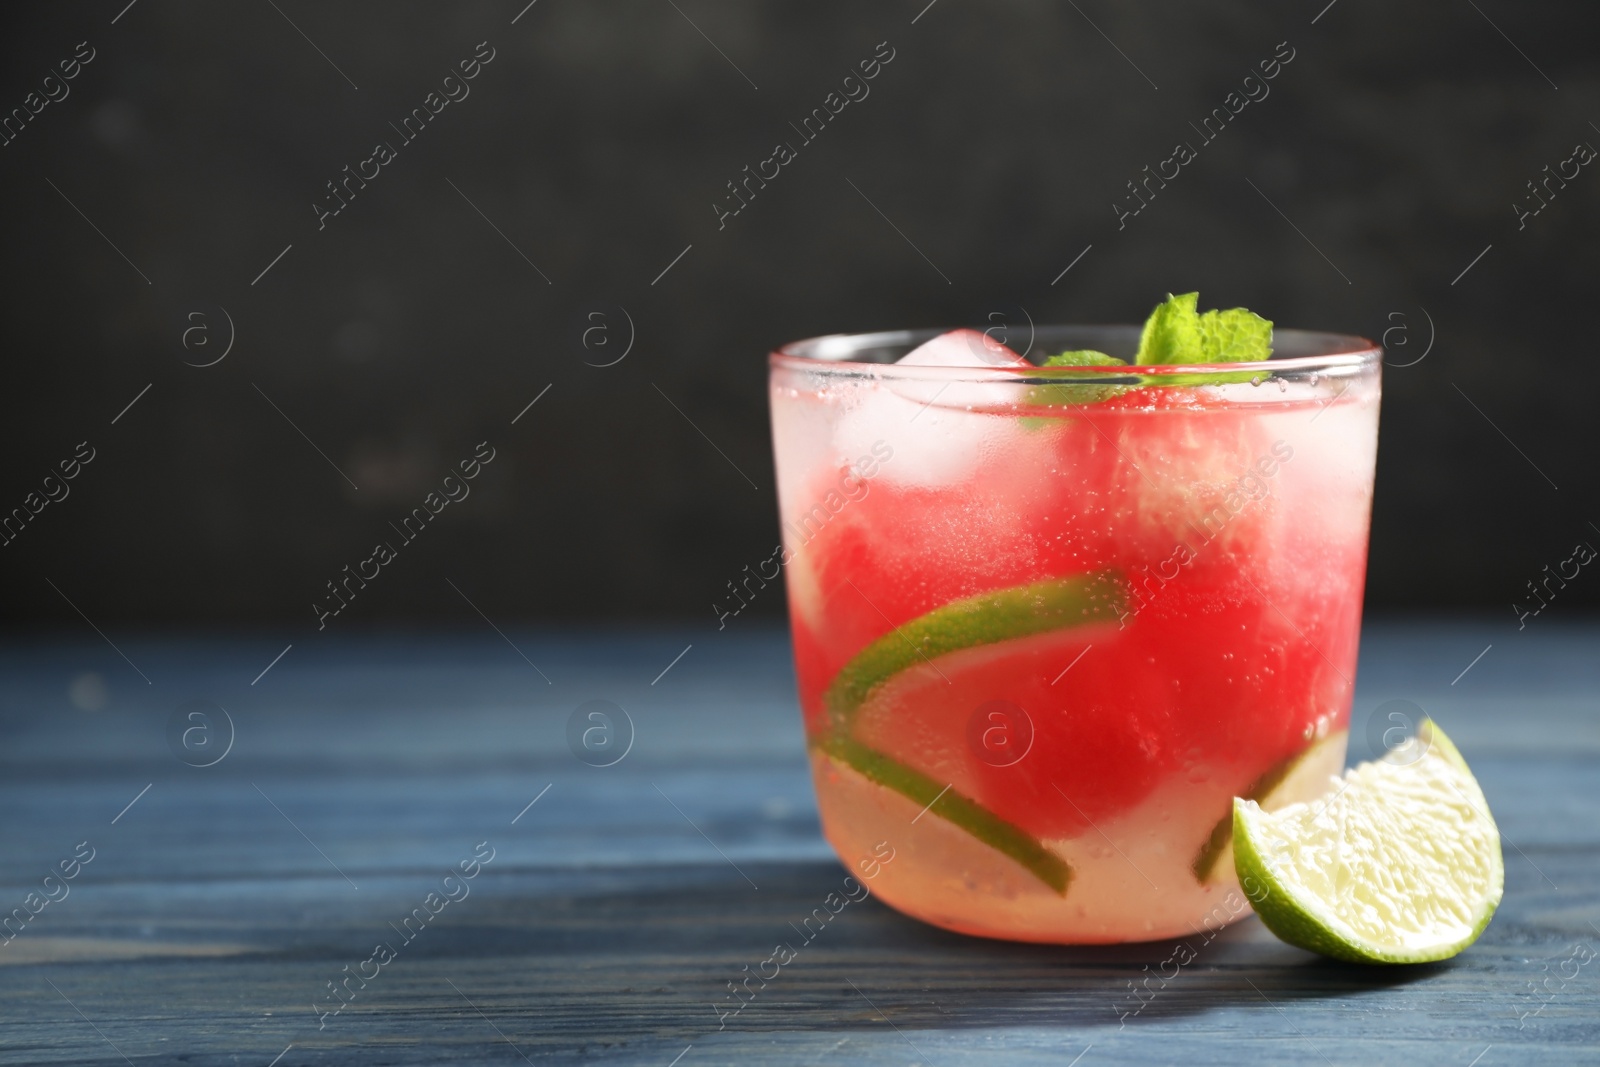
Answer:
(953, 806)
(1304, 776)
(1400, 864)
(985, 619)
(977, 620)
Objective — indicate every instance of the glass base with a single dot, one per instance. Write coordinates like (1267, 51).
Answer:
(1132, 877)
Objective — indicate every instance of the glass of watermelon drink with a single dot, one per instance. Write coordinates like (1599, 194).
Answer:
(1049, 621)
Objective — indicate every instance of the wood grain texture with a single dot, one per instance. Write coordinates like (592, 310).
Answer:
(618, 906)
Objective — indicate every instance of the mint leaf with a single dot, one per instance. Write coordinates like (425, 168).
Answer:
(1083, 357)
(1234, 336)
(1176, 333)
(1086, 389)
(1172, 333)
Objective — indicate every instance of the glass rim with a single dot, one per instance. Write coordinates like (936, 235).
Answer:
(829, 354)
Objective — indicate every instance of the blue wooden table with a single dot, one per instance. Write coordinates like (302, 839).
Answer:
(420, 791)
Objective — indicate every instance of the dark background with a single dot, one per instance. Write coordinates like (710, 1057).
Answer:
(597, 140)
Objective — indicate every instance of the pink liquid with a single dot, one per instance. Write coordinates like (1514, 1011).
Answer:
(1232, 521)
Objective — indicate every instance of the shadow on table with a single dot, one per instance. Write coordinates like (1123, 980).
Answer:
(692, 953)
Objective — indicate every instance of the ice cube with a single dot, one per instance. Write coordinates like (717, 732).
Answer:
(959, 349)
(962, 348)
(936, 439)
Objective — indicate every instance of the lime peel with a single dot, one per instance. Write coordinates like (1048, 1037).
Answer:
(1001, 615)
(1401, 864)
(950, 805)
(988, 618)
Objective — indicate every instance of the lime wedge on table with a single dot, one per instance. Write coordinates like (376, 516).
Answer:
(1400, 864)
(1303, 776)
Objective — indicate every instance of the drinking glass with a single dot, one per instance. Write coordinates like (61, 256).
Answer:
(1048, 623)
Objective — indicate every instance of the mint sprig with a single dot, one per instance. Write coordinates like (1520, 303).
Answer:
(1177, 333)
